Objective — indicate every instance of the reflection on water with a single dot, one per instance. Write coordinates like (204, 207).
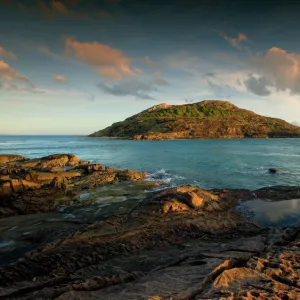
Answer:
(279, 213)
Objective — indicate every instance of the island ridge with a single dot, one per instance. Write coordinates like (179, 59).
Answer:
(202, 120)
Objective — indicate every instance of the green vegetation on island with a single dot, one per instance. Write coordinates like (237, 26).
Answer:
(206, 119)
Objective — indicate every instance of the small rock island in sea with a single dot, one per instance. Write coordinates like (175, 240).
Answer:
(206, 119)
(70, 229)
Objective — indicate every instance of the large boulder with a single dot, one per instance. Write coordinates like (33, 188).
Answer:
(189, 198)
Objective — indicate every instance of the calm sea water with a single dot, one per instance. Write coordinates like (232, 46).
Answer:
(207, 163)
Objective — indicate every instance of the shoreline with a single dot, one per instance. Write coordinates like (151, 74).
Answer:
(180, 139)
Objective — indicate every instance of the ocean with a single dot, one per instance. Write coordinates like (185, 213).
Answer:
(237, 163)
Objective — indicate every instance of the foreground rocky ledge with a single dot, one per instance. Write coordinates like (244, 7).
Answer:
(177, 243)
(43, 184)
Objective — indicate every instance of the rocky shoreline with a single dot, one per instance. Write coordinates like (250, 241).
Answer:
(74, 230)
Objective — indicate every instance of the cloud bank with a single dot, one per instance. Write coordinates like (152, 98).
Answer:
(277, 69)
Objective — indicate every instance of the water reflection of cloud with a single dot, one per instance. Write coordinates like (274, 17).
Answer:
(282, 213)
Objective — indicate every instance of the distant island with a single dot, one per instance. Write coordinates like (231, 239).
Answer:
(202, 120)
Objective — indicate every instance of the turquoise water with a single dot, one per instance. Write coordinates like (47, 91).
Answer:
(207, 163)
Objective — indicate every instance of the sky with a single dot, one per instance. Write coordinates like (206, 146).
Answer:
(77, 66)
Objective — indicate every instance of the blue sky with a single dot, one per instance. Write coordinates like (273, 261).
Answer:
(74, 66)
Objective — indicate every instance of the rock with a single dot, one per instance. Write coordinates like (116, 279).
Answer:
(138, 137)
(23, 184)
(59, 160)
(90, 168)
(175, 206)
(235, 277)
(110, 170)
(48, 177)
(158, 107)
(19, 185)
(16, 186)
(272, 170)
(54, 170)
(198, 198)
(39, 200)
(55, 160)
(190, 197)
(5, 189)
(131, 175)
(59, 183)
(5, 158)
(40, 176)
(178, 243)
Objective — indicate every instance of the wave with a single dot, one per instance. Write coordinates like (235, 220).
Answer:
(8, 144)
(164, 176)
